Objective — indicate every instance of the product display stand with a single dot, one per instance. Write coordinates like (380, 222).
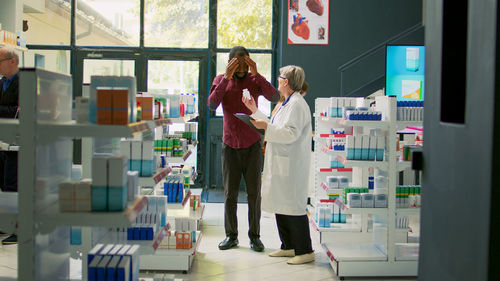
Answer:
(45, 134)
(163, 258)
(365, 250)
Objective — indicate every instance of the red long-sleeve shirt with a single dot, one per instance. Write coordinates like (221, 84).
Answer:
(237, 134)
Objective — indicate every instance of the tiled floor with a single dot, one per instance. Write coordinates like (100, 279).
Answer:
(239, 264)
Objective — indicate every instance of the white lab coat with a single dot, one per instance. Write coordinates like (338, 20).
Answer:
(285, 177)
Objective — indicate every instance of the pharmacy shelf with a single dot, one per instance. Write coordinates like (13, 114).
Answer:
(157, 178)
(336, 227)
(184, 157)
(185, 119)
(186, 212)
(365, 211)
(370, 124)
(365, 259)
(324, 136)
(148, 247)
(362, 163)
(401, 125)
(52, 217)
(180, 205)
(50, 131)
(9, 130)
(171, 259)
(8, 211)
(355, 251)
(408, 211)
(158, 123)
(339, 170)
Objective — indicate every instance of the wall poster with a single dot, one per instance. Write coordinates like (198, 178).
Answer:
(308, 22)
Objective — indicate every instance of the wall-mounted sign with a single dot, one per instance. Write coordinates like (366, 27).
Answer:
(308, 22)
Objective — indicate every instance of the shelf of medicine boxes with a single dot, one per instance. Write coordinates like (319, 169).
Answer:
(157, 178)
(171, 259)
(52, 217)
(9, 130)
(354, 123)
(365, 259)
(148, 247)
(184, 156)
(50, 131)
(8, 211)
(362, 163)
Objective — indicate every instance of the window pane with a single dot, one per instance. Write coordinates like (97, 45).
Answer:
(263, 62)
(107, 67)
(107, 22)
(173, 77)
(48, 22)
(53, 60)
(173, 23)
(245, 23)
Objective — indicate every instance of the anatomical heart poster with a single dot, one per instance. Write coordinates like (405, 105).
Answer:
(308, 22)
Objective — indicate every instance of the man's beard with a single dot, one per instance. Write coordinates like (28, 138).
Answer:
(239, 78)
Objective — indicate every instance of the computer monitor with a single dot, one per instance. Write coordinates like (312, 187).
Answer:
(405, 72)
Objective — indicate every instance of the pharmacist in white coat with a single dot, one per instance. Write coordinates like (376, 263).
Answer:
(285, 177)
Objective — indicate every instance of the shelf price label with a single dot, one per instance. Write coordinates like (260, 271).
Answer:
(161, 235)
(162, 174)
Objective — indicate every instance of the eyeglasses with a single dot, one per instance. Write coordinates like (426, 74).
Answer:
(282, 77)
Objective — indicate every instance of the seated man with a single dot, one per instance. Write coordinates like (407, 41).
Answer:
(9, 102)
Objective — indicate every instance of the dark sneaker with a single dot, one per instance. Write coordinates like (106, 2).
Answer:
(256, 244)
(11, 240)
(228, 243)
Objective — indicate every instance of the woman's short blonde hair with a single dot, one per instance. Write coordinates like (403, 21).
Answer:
(295, 75)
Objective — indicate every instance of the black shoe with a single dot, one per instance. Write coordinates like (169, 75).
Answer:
(11, 240)
(228, 243)
(256, 244)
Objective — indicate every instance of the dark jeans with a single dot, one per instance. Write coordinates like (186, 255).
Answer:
(235, 163)
(294, 233)
(8, 171)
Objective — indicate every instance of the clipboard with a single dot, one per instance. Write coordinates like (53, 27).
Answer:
(246, 119)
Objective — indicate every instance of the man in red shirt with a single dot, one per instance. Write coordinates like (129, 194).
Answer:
(241, 147)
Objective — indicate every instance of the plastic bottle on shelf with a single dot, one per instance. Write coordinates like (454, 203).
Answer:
(174, 106)
(182, 105)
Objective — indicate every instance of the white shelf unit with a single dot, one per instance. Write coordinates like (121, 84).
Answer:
(360, 252)
(45, 137)
(171, 259)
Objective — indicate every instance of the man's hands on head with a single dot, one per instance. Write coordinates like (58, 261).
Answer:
(231, 68)
(251, 64)
(237, 62)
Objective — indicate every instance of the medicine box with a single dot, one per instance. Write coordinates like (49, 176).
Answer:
(133, 184)
(83, 196)
(354, 200)
(104, 105)
(367, 200)
(120, 104)
(350, 147)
